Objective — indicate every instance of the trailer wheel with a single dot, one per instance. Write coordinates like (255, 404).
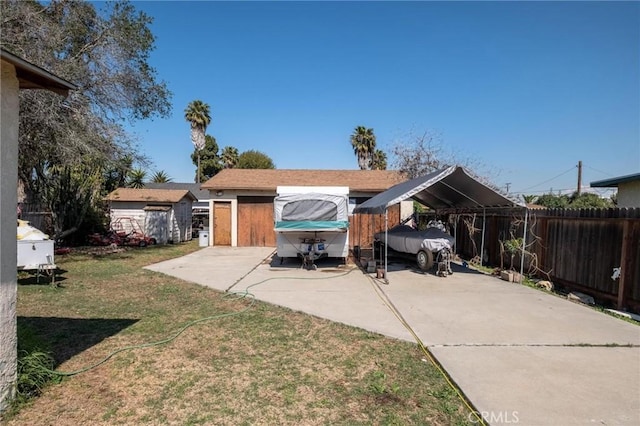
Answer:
(142, 243)
(424, 260)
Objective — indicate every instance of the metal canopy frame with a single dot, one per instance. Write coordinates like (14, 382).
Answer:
(452, 188)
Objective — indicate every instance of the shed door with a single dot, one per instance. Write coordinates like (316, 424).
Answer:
(222, 224)
(156, 225)
(255, 222)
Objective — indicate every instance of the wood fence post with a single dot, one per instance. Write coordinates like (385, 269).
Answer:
(625, 264)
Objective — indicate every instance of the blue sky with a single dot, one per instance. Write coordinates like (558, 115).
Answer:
(528, 88)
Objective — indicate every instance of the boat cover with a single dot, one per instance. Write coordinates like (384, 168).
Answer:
(405, 239)
(29, 233)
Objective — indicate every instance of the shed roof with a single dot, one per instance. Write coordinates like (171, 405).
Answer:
(270, 179)
(614, 182)
(195, 188)
(150, 195)
(450, 188)
(31, 76)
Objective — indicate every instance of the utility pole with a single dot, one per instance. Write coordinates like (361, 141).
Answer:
(508, 185)
(579, 177)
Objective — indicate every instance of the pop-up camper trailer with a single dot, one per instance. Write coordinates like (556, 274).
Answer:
(312, 222)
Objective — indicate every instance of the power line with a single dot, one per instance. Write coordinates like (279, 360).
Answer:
(546, 191)
(599, 171)
(546, 181)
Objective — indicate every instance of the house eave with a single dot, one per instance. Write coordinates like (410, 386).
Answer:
(31, 76)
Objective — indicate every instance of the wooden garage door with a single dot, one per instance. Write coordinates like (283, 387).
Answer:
(255, 222)
(222, 224)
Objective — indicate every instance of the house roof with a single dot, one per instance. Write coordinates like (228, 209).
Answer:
(150, 195)
(31, 76)
(270, 179)
(614, 182)
(194, 188)
(449, 188)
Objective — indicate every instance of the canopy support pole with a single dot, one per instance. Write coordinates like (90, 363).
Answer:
(386, 239)
(524, 244)
(455, 236)
(484, 221)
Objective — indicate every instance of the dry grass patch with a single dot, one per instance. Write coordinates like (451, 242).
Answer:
(268, 365)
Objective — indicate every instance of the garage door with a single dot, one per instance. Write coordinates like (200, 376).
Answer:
(255, 222)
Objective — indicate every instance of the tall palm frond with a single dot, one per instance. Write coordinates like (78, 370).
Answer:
(379, 160)
(198, 114)
(160, 177)
(229, 157)
(363, 141)
(136, 178)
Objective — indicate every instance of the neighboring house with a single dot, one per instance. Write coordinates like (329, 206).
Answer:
(16, 74)
(200, 208)
(242, 202)
(628, 189)
(164, 214)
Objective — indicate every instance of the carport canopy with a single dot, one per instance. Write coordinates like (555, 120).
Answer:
(449, 188)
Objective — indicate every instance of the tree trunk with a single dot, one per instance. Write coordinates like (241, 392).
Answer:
(198, 176)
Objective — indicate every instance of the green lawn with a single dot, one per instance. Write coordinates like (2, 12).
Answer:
(265, 365)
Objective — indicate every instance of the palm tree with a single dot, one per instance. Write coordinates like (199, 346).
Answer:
(363, 142)
(198, 114)
(229, 157)
(160, 177)
(379, 160)
(136, 178)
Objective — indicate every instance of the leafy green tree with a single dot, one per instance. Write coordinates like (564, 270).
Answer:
(160, 177)
(210, 163)
(117, 173)
(199, 116)
(589, 201)
(553, 201)
(363, 142)
(105, 53)
(529, 198)
(69, 193)
(229, 157)
(253, 159)
(136, 178)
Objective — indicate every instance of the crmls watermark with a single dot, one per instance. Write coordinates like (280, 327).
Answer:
(495, 417)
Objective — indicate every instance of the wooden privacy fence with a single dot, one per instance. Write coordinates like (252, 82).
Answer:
(362, 227)
(578, 249)
(37, 216)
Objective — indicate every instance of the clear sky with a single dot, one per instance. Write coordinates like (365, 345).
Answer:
(529, 88)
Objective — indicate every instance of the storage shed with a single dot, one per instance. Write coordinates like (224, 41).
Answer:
(164, 214)
(200, 207)
(242, 202)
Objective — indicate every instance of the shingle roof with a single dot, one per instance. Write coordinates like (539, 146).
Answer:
(149, 195)
(270, 179)
(201, 194)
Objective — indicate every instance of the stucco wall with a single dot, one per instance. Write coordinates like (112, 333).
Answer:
(8, 244)
(231, 196)
(629, 194)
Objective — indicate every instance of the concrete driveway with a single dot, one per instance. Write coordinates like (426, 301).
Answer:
(520, 355)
